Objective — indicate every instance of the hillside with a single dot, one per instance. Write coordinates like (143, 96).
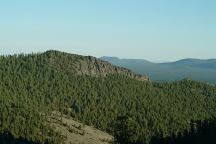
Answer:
(97, 94)
(200, 70)
(86, 65)
(75, 132)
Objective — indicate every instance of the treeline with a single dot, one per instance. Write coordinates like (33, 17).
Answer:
(31, 86)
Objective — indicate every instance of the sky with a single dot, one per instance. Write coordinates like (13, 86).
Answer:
(156, 30)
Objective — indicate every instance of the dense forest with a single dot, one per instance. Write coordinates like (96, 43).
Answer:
(111, 99)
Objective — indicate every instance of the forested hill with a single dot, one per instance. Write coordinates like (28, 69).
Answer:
(86, 65)
(32, 86)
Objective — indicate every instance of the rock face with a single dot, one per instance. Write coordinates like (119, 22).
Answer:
(87, 65)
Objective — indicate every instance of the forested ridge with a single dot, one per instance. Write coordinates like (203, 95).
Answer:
(34, 85)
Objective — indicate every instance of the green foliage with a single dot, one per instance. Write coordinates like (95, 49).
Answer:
(32, 86)
(125, 129)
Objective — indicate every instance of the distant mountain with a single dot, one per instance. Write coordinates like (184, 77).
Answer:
(196, 63)
(197, 69)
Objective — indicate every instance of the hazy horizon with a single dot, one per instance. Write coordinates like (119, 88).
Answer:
(122, 58)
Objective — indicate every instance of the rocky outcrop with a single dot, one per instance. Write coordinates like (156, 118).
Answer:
(88, 65)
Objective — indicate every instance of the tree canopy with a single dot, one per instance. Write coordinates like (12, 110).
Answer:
(34, 85)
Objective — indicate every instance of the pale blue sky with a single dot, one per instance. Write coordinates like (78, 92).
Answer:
(157, 30)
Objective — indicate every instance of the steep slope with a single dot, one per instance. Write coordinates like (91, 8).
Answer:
(201, 70)
(87, 65)
(75, 132)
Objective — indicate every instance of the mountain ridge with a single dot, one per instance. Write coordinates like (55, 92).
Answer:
(141, 60)
(197, 69)
(89, 65)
